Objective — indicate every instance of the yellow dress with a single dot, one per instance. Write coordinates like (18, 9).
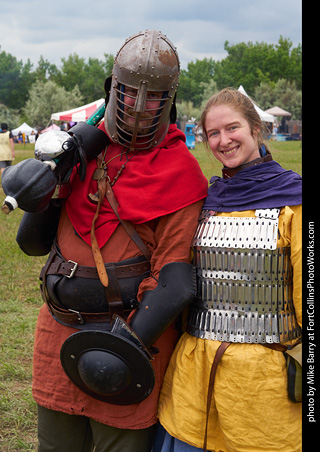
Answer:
(250, 410)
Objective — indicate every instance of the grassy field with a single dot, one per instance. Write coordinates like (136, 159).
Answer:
(20, 302)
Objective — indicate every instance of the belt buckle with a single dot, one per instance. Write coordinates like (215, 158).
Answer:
(79, 316)
(74, 268)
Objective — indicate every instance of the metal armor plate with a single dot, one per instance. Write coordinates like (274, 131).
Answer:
(244, 281)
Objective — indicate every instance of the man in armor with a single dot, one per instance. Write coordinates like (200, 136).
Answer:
(119, 227)
(229, 385)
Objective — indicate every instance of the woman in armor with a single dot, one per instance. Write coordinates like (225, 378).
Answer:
(228, 386)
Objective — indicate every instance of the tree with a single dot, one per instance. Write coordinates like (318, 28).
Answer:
(284, 94)
(15, 80)
(252, 64)
(46, 70)
(190, 85)
(10, 116)
(46, 98)
(208, 89)
(88, 76)
(186, 111)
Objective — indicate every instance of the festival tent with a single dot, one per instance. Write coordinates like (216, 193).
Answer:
(52, 127)
(277, 111)
(266, 117)
(78, 114)
(24, 128)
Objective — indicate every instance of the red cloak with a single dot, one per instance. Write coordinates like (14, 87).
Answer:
(153, 183)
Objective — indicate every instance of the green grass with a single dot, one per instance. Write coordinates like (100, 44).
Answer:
(19, 306)
(20, 302)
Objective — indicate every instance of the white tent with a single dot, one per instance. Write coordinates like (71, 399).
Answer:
(277, 111)
(78, 114)
(266, 117)
(24, 128)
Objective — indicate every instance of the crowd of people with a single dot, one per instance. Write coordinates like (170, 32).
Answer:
(202, 286)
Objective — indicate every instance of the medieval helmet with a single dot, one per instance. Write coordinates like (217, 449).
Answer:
(147, 62)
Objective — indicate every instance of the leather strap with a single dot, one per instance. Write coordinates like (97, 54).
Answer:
(59, 266)
(222, 348)
(229, 172)
(94, 243)
(79, 318)
(276, 346)
(113, 294)
(126, 224)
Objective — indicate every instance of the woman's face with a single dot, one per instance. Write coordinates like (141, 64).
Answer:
(229, 136)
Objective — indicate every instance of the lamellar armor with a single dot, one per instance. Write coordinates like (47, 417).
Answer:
(244, 280)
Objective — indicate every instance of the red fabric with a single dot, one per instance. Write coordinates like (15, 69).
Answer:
(160, 181)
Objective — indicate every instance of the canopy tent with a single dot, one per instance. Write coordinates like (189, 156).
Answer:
(78, 114)
(277, 111)
(24, 128)
(266, 117)
(52, 127)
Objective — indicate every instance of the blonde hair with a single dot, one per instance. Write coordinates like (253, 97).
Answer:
(241, 103)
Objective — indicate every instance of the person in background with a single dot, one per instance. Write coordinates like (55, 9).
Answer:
(6, 147)
(144, 176)
(227, 387)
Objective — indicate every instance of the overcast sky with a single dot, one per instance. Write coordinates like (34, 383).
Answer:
(198, 28)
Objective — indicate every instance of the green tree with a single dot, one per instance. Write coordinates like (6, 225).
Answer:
(284, 94)
(186, 111)
(255, 63)
(10, 116)
(46, 98)
(15, 80)
(45, 70)
(190, 84)
(88, 76)
(208, 89)
(72, 72)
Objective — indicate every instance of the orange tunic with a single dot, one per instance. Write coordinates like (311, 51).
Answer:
(169, 239)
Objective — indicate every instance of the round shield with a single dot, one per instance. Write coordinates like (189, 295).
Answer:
(108, 367)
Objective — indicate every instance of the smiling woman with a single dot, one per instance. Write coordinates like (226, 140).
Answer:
(232, 128)
(230, 137)
(244, 316)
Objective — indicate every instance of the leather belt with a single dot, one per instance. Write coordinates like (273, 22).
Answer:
(57, 265)
(72, 317)
(69, 269)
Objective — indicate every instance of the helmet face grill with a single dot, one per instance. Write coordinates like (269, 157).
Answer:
(138, 116)
(144, 81)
